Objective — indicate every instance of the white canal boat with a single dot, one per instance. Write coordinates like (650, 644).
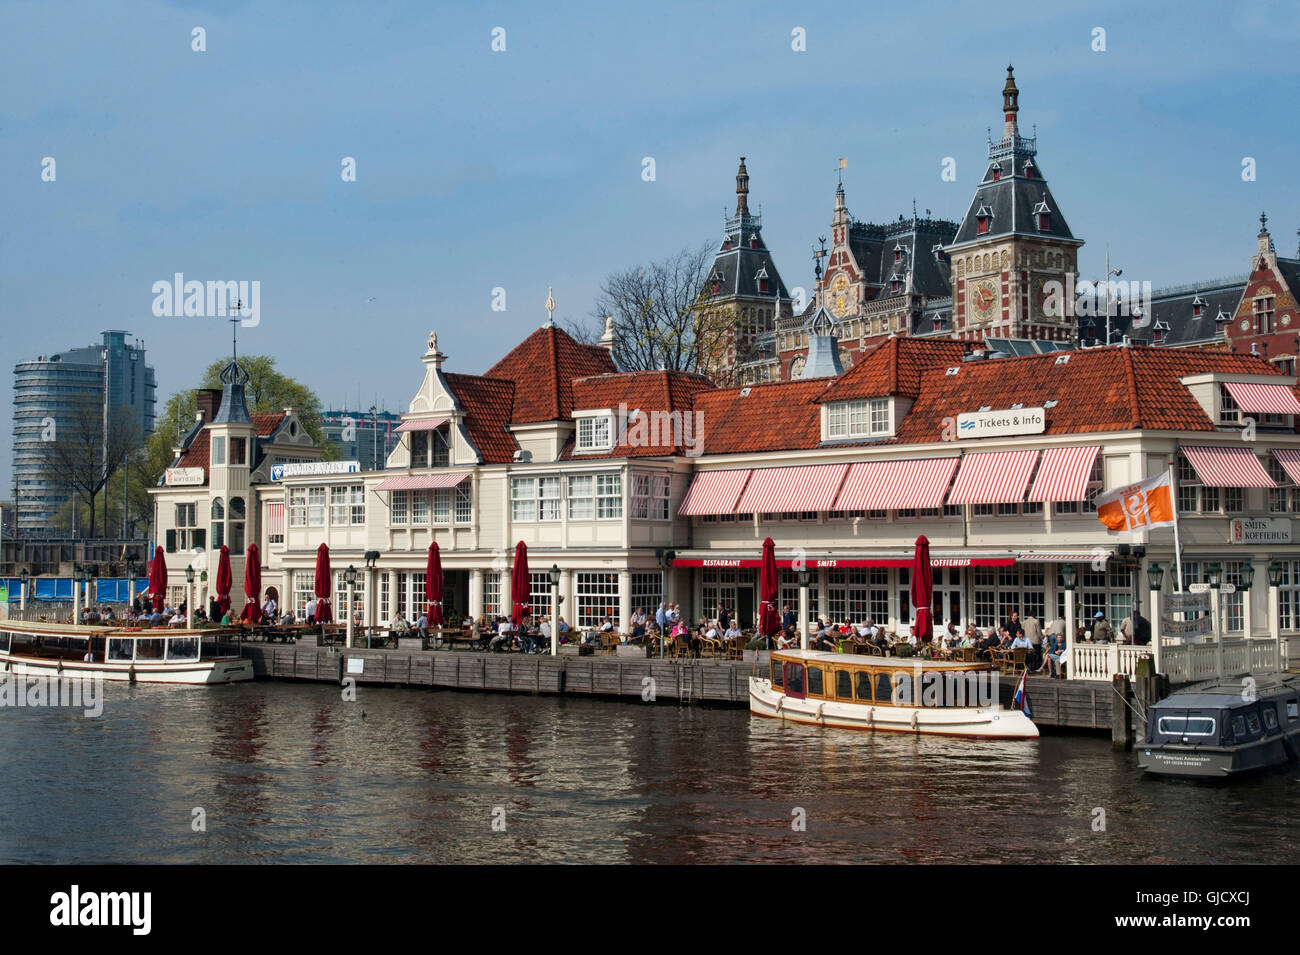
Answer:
(890, 694)
(135, 656)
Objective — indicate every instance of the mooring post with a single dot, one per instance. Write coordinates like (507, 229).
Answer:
(1121, 722)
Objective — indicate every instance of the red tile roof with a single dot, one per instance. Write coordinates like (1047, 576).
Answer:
(487, 403)
(772, 417)
(543, 367)
(894, 367)
(648, 392)
(198, 454)
(267, 423)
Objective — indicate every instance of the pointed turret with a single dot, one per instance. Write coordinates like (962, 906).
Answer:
(742, 190)
(1010, 106)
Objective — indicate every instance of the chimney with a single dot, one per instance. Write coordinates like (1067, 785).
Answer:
(209, 403)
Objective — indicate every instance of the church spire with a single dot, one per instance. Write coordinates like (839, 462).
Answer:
(1010, 106)
(742, 190)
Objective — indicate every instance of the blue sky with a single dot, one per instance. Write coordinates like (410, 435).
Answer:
(522, 169)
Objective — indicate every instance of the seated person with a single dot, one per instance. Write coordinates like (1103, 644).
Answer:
(825, 640)
(1021, 642)
(733, 632)
(400, 624)
(786, 639)
(1054, 645)
(607, 626)
(422, 625)
(504, 636)
(527, 635)
(638, 624)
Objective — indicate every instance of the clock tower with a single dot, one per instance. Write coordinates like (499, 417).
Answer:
(1013, 250)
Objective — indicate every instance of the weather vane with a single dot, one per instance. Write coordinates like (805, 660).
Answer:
(550, 305)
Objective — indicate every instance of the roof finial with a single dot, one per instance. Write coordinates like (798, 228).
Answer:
(843, 164)
(1010, 106)
(742, 189)
(550, 307)
(1263, 223)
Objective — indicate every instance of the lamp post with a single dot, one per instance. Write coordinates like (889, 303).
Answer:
(23, 578)
(666, 558)
(1215, 574)
(189, 593)
(805, 576)
(130, 579)
(1155, 578)
(555, 609)
(350, 578)
(1275, 569)
(1247, 582)
(203, 589)
(372, 557)
(1069, 579)
(77, 574)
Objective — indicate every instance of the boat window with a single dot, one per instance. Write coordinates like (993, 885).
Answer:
(794, 679)
(7, 639)
(1252, 721)
(150, 648)
(183, 648)
(1270, 718)
(1186, 725)
(815, 681)
(843, 685)
(884, 688)
(777, 673)
(1292, 711)
(120, 648)
(1239, 726)
(864, 686)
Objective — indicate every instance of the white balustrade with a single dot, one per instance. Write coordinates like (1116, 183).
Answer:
(1181, 662)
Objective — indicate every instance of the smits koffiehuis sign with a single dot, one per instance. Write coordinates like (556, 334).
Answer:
(997, 424)
(1259, 530)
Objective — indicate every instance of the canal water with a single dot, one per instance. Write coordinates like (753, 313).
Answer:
(279, 772)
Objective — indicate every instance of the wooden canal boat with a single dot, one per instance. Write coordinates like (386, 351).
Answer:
(886, 694)
(1223, 728)
(138, 656)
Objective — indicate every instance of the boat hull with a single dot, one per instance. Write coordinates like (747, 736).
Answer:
(199, 673)
(1212, 762)
(970, 722)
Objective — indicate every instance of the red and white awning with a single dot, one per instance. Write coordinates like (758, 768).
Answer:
(1263, 399)
(993, 477)
(275, 520)
(1079, 557)
(1289, 458)
(714, 492)
(1063, 475)
(809, 488)
(895, 485)
(817, 563)
(1228, 467)
(425, 424)
(422, 482)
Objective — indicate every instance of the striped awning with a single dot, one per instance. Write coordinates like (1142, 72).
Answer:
(896, 485)
(993, 477)
(1289, 458)
(426, 424)
(714, 492)
(808, 488)
(1063, 475)
(275, 519)
(1228, 467)
(1078, 557)
(1263, 399)
(422, 482)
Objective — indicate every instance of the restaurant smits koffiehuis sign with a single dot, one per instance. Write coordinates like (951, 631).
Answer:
(1260, 530)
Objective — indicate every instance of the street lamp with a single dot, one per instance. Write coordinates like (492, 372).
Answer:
(1275, 569)
(372, 599)
(189, 593)
(1155, 577)
(666, 558)
(22, 589)
(1069, 578)
(1246, 582)
(555, 608)
(350, 578)
(1214, 573)
(203, 587)
(805, 578)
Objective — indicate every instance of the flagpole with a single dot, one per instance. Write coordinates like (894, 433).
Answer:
(1178, 547)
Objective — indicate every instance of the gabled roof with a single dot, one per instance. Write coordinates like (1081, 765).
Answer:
(487, 404)
(1174, 308)
(267, 424)
(198, 452)
(1011, 200)
(894, 367)
(652, 393)
(772, 417)
(543, 367)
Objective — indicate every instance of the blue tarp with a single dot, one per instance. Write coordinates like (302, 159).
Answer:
(104, 590)
(52, 588)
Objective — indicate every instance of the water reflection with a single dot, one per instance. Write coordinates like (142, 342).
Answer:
(292, 773)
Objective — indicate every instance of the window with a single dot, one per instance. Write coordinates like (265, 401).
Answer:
(1233, 603)
(1283, 498)
(441, 506)
(340, 596)
(650, 496)
(297, 507)
(464, 503)
(647, 594)
(1044, 222)
(238, 450)
(398, 514)
(609, 496)
(582, 497)
(1264, 315)
(593, 433)
(1186, 726)
(218, 450)
(1095, 479)
(315, 507)
(879, 416)
(340, 509)
(235, 517)
(491, 593)
(548, 498)
(357, 494)
(981, 225)
(597, 598)
(419, 449)
(814, 681)
(858, 419)
(440, 451)
(187, 535)
(420, 508)
(837, 418)
(218, 523)
(385, 598)
(1229, 413)
(304, 589)
(523, 499)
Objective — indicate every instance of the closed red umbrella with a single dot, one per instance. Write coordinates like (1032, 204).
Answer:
(158, 578)
(769, 621)
(922, 590)
(224, 579)
(433, 585)
(252, 612)
(323, 612)
(521, 591)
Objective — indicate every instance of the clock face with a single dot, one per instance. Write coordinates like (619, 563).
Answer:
(840, 295)
(1039, 295)
(984, 299)
(1245, 325)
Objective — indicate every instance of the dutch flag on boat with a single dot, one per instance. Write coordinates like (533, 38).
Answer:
(1021, 700)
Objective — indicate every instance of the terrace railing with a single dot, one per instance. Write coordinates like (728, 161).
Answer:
(1182, 662)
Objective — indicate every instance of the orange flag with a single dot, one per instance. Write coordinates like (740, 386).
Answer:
(1136, 507)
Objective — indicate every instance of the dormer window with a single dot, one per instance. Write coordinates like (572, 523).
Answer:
(594, 432)
(1029, 169)
(753, 241)
(1198, 306)
(894, 282)
(864, 418)
(1220, 320)
(997, 171)
(983, 216)
(1044, 216)
(1159, 329)
(726, 244)
(898, 252)
(761, 277)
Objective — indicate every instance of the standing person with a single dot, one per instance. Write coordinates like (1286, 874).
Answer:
(787, 618)
(1102, 631)
(1034, 631)
(723, 618)
(661, 616)
(311, 611)
(1141, 629)
(1013, 627)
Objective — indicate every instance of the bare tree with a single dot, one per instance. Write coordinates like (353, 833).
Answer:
(74, 461)
(662, 314)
